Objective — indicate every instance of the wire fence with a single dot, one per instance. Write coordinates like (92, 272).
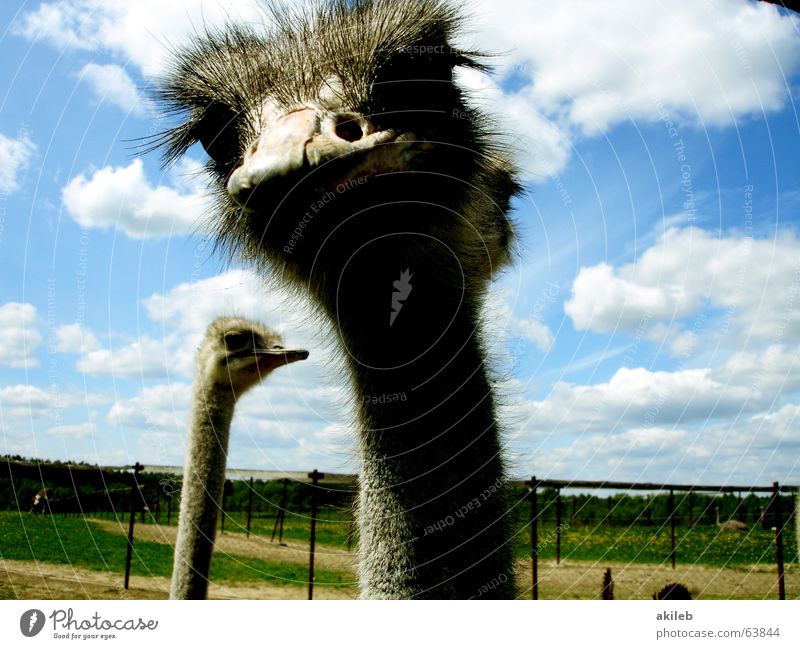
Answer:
(554, 519)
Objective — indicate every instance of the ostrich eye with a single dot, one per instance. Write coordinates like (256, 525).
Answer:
(217, 133)
(237, 340)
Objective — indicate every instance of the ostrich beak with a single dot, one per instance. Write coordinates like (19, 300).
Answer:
(278, 357)
(304, 139)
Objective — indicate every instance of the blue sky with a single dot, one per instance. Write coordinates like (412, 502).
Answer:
(649, 330)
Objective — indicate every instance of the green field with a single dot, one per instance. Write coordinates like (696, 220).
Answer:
(701, 544)
(83, 544)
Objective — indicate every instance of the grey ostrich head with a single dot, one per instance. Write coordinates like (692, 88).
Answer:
(333, 126)
(236, 354)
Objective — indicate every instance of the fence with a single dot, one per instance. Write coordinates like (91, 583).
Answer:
(265, 507)
(773, 510)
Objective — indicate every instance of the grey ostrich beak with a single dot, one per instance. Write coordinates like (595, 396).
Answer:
(278, 357)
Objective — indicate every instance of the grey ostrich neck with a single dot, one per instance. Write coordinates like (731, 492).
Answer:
(432, 505)
(203, 484)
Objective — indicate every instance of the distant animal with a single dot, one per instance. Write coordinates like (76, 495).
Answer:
(40, 503)
(235, 355)
(350, 166)
(673, 591)
(731, 525)
(607, 590)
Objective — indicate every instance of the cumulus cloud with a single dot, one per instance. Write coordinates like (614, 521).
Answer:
(596, 64)
(15, 155)
(636, 397)
(73, 431)
(132, 31)
(75, 339)
(28, 401)
(123, 198)
(144, 358)
(755, 283)
(754, 449)
(19, 336)
(111, 84)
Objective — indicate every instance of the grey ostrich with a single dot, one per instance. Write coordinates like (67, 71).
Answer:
(235, 355)
(731, 525)
(350, 167)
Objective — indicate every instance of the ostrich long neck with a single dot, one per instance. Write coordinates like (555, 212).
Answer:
(203, 484)
(432, 503)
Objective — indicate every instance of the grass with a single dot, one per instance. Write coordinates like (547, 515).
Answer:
(83, 544)
(702, 544)
(75, 541)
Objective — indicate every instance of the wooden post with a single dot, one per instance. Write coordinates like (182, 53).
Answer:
(281, 514)
(169, 508)
(534, 538)
(691, 505)
(249, 507)
(776, 509)
(315, 476)
(134, 497)
(672, 527)
(558, 526)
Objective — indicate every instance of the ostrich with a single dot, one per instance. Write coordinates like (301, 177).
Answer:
(731, 525)
(350, 167)
(235, 355)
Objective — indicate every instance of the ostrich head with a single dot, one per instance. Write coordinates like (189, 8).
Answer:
(332, 132)
(236, 354)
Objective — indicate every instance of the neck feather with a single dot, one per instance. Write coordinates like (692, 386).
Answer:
(433, 506)
(203, 484)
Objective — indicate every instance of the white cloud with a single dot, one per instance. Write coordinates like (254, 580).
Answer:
(540, 146)
(596, 64)
(75, 339)
(141, 358)
(73, 431)
(635, 397)
(164, 407)
(757, 449)
(755, 282)
(123, 197)
(19, 336)
(111, 84)
(132, 31)
(15, 155)
(27, 401)
(504, 323)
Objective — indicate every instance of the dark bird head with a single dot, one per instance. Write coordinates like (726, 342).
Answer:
(339, 125)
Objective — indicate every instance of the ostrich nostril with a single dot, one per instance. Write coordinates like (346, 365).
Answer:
(348, 129)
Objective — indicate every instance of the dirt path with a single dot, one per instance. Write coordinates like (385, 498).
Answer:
(38, 580)
(570, 580)
(582, 580)
(327, 557)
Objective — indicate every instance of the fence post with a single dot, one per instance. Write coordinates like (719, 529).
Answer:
(672, 527)
(134, 493)
(534, 538)
(249, 507)
(280, 515)
(315, 476)
(558, 525)
(776, 502)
